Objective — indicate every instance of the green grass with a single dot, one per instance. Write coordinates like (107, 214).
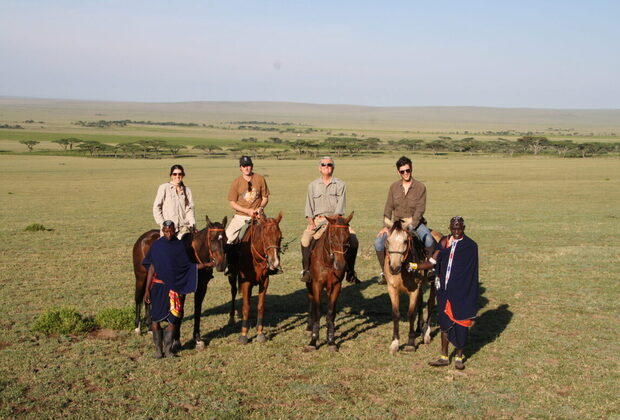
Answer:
(545, 345)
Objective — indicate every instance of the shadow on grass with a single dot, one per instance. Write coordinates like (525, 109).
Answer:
(487, 328)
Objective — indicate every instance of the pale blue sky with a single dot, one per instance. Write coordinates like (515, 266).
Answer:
(543, 54)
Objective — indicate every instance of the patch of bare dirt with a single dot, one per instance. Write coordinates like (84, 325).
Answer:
(104, 334)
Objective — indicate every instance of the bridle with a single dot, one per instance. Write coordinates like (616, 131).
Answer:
(329, 249)
(211, 263)
(256, 255)
(404, 253)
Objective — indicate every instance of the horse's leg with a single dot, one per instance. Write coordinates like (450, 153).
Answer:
(309, 295)
(394, 299)
(420, 310)
(246, 292)
(201, 291)
(262, 291)
(430, 308)
(315, 315)
(331, 314)
(232, 280)
(140, 288)
(414, 300)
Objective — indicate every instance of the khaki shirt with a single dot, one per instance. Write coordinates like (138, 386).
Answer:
(400, 205)
(169, 205)
(247, 196)
(326, 200)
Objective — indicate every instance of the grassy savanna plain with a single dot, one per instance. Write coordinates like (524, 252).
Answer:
(545, 344)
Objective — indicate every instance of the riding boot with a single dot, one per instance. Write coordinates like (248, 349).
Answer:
(381, 258)
(351, 257)
(158, 336)
(232, 258)
(168, 338)
(305, 263)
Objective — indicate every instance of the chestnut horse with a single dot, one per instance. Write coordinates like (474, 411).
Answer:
(401, 249)
(259, 253)
(204, 246)
(328, 265)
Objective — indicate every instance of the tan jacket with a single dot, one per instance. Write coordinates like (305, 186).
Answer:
(169, 205)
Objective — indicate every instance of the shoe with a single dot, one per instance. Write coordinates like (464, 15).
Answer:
(305, 276)
(442, 361)
(458, 363)
(382, 279)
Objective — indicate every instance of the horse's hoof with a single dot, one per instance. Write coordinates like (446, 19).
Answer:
(409, 348)
(200, 345)
(176, 346)
(333, 347)
(394, 347)
(310, 348)
(137, 331)
(261, 338)
(243, 339)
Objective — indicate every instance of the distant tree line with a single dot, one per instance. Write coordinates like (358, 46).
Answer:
(123, 123)
(14, 127)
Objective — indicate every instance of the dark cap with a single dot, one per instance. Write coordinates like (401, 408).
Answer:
(168, 223)
(245, 161)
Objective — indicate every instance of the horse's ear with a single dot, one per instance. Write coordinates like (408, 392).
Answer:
(348, 219)
(224, 221)
(279, 216)
(208, 221)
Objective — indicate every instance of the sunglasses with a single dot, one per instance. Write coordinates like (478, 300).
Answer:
(178, 174)
(405, 171)
(331, 165)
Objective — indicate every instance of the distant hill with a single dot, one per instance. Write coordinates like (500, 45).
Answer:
(441, 119)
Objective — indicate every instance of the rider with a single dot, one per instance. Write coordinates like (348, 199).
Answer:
(327, 196)
(174, 202)
(248, 195)
(406, 200)
(456, 260)
(170, 276)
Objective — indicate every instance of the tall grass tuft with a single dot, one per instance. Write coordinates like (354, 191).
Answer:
(115, 318)
(62, 321)
(35, 227)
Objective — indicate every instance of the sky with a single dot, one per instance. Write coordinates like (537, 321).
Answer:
(533, 54)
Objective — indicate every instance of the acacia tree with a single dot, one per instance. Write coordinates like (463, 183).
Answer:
(29, 144)
(207, 148)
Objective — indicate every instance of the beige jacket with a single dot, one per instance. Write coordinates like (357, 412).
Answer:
(169, 205)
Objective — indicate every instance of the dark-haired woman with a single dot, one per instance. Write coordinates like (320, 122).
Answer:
(174, 202)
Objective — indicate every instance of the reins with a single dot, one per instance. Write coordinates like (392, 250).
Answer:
(328, 248)
(208, 243)
(256, 255)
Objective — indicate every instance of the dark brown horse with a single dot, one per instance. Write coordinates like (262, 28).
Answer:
(403, 248)
(204, 246)
(328, 265)
(259, 253)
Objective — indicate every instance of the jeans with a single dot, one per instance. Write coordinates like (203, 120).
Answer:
(422, 232)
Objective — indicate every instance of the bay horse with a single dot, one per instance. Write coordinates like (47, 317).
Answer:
(259, 254)
(403, 248)
(328, 265)
(204, 246)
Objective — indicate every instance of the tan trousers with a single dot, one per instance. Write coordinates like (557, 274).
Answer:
(235, 225)
(321, 225)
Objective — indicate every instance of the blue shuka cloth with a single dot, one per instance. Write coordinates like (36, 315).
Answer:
(172, 265)
(462, 290)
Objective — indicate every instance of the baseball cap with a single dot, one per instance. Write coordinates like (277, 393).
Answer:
(245, 161)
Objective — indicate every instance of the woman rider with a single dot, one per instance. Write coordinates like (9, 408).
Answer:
(174, 202)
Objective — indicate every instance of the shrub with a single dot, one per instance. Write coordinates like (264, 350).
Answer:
(62, 321)
(35, 227)
(115, 319)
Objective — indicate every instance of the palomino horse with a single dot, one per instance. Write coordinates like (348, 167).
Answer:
(204, 246)
(327, 268)
(259, 253)
(403, 248)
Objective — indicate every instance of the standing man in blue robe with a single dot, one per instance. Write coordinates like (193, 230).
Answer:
(456, 260)
(171, 275)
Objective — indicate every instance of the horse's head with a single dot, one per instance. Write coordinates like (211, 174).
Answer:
(337, 240)
(397, 246)
(215, 239)
(272, 238)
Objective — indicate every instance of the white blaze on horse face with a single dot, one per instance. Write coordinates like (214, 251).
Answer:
(397, 248)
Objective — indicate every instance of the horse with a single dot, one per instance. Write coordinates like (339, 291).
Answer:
(259, 254)
(206, 245)
(402, 248)
(328, 265)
